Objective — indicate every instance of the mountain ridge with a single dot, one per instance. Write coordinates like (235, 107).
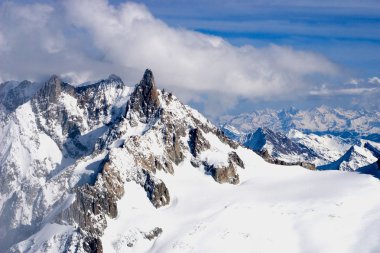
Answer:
(320, 120)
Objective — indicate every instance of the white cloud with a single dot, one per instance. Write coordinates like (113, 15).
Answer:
(354, 81)
(95, 38)
(374, 80)
(325, 91)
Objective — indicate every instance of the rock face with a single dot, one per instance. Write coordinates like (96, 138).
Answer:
(156, 191)
(42, 141)
(99, 138)
(233, 157)
(91, 206)
(268, 158)
(197, 142)
(278, 146)
(14, 95)
(224, 174)
(144, 98)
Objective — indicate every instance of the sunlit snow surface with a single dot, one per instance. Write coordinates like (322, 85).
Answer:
(273, 209)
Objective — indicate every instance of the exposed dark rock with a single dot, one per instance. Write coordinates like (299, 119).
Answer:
(197, 143)
(92, 245)
(268, 158)
(51, 91)
(307, 165)
(195, 162)
(171, 138)
(225, 139)
(164, 165)
(92, 204)
(93, 99)
(175, 150)
(153, 233)
(14, 97)
(236, 159)
(259, 140)
(371, 169)
(373, 150)
(223, 174)
(144, 99)
(156, 191)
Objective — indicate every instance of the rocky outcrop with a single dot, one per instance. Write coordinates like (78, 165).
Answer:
(223, 174)
(156, 190)
(197, 143)
(97, 103)
(233, 157)
(268, 158)
(171, 138)
(154, 233)
(67, 113)
(223, 138)
(144, 99)
(91, 206)
(18, 95)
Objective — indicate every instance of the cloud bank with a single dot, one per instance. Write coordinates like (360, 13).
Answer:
(87, 40)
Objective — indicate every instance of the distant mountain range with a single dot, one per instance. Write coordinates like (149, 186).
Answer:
(331, 139)
(322, 120)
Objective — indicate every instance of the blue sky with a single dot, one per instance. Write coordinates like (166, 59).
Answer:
(347, 32)
(220, 56)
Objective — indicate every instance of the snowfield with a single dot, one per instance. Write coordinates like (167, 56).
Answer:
(273, 209)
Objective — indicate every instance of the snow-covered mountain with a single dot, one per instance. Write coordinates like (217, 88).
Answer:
(356, 157)
(67, 152)
(43, 142)
(279, 146)
(107, 168)
(328, 147)
(322, 120)
(326, 152)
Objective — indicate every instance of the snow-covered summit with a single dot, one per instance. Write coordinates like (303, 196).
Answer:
(357, 156)
(279, 146)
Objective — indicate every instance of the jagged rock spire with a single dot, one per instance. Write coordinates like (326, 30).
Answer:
(52, 89)
(144, 99)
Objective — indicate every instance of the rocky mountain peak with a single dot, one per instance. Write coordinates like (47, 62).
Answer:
(52, 88)
(356, 156)
(114, 77)
(144, 99)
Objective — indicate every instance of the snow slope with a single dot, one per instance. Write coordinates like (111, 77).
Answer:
(273, 209)
(328, 147)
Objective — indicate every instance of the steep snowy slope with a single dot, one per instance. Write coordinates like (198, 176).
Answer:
(279, 146)
(41, 141)
(356, 157)
(328, 147)
(139, 171)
